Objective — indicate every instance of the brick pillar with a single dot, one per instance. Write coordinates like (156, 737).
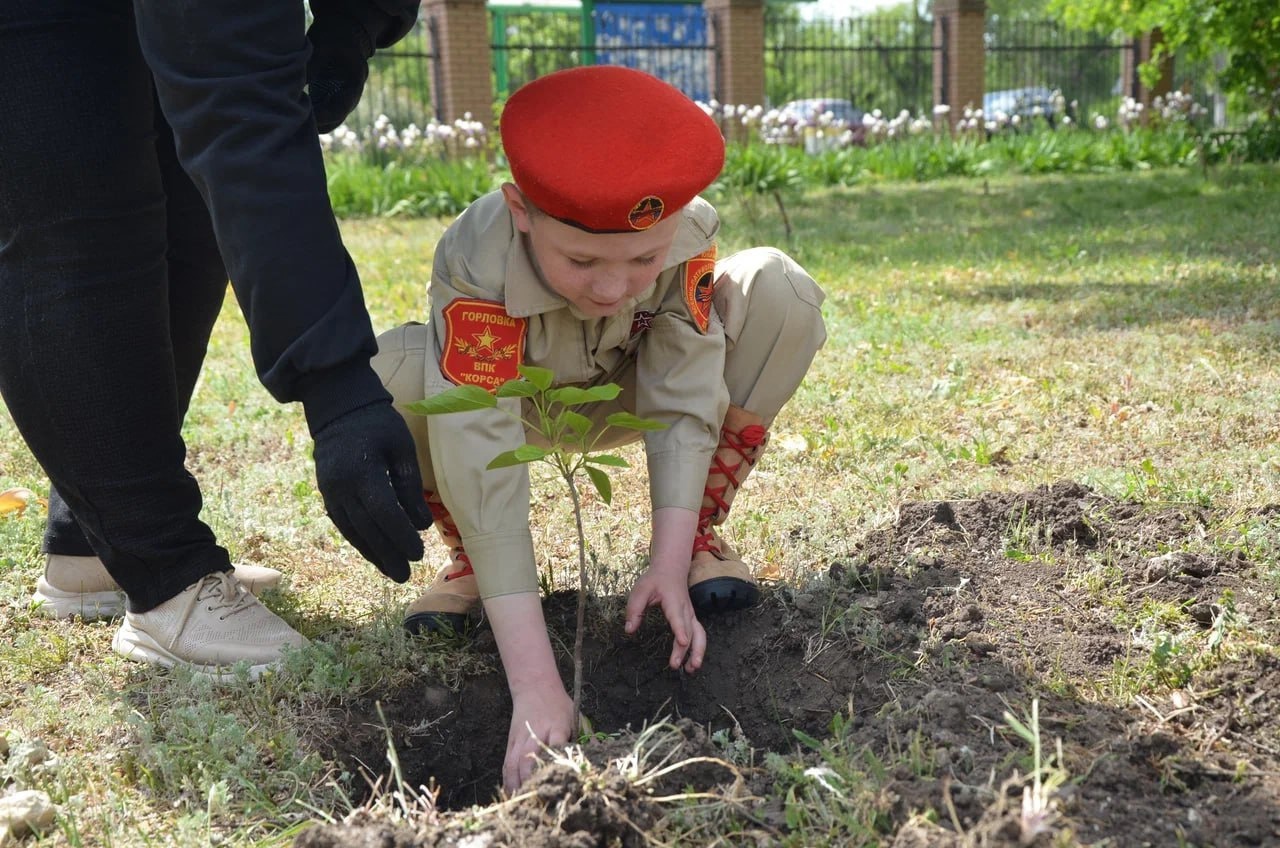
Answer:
(960, 69)
(461, 80)
(1142, 49)
(737, 33)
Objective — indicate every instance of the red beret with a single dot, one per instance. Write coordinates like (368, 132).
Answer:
(609, 149)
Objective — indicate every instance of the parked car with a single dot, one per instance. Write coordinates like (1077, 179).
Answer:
(1026, 102)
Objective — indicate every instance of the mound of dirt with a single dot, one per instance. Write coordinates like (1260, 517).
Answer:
(908, 656)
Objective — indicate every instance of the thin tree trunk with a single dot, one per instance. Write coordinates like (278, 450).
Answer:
(582, 606)
(782, 209)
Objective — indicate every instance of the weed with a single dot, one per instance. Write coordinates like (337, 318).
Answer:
(837, 798)
(1048, 776)
(1027, 540)
(201, 745)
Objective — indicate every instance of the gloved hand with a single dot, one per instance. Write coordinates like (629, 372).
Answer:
(368, 475)
(338, 68)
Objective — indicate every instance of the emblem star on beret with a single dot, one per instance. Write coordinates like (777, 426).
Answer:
(609, 149)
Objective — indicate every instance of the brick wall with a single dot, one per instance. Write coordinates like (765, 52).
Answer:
(959, 74)
(460, 30)
(737, 29)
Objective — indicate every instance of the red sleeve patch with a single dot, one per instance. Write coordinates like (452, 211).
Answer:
(700, 285)
(482, 343)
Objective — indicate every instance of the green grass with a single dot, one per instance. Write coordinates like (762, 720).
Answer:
(1121, 329)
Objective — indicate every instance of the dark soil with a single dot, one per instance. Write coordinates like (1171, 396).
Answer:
(906, 657)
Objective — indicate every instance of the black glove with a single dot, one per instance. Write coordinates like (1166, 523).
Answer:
(368, 475)
(338, 68)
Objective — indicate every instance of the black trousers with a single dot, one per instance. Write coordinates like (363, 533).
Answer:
(110, 282)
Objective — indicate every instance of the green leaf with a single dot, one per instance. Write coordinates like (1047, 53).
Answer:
(627, 421)
(578, 423)
(807, 739)
(517, 388)
(1019, 728)
(519, 456)
(457, 399)
(601, 481)
(608, 459)
(540, 377)
(572, 395)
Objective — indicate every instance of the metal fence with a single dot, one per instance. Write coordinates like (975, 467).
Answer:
(400, 82)
(881, 63)
(1029, 56)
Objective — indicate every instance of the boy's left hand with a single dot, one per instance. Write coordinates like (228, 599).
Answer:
(669, 587)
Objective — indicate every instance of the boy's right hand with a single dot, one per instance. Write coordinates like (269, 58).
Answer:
(667, 587)
(540, 716)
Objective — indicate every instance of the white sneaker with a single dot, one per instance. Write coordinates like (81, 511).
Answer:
(210, 626)
(80, 585)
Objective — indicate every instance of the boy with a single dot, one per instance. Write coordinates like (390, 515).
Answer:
(598, 262)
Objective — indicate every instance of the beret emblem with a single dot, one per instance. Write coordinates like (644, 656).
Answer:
(646, 213)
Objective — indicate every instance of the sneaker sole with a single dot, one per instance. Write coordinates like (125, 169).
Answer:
(723, 594)
(447, 623)
(134, 644)
(89, 606)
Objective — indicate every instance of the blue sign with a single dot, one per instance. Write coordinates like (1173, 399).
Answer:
(664, 39)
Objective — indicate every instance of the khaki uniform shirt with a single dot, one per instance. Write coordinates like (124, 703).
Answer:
(490, 310)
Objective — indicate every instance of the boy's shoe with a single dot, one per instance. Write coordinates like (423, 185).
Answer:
(81, 586)
(446, 605)
(719, 581)
(210, 626)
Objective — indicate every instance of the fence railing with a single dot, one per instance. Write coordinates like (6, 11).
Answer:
(400, 82)
(884, 62)
(877, 63)
(1087, 68)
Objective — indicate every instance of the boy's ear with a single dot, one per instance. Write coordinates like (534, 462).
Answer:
(518, 206)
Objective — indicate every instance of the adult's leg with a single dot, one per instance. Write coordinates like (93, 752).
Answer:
(87, 362)
(197, 287)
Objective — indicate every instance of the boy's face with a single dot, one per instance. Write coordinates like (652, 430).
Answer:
(599, 273)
